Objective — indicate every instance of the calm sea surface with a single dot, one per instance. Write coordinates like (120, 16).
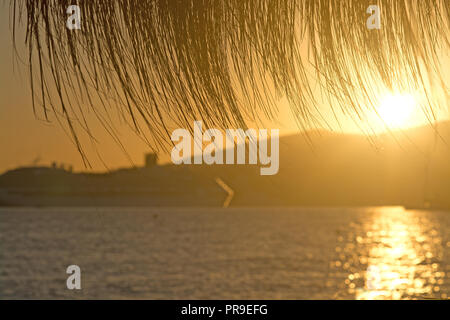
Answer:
(361, 253)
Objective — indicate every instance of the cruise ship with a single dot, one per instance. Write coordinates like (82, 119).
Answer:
(152, 185)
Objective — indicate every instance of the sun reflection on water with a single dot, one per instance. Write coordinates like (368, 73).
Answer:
(397, 257)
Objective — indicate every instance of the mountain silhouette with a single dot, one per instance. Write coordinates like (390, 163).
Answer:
(317, 168)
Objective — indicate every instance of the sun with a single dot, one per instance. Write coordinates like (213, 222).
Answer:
(396, 110)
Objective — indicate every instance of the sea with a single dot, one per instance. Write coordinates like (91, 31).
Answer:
(233, 253)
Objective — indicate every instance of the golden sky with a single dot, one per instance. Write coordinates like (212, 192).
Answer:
(25, 140)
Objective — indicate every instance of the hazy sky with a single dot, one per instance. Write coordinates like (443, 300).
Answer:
(24, 139)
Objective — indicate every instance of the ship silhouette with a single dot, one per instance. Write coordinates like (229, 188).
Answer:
(317, 168)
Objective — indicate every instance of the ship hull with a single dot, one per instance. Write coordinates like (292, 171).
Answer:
(26, 200)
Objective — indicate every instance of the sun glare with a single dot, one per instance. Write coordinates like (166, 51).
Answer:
(396, 110)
